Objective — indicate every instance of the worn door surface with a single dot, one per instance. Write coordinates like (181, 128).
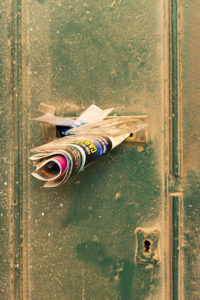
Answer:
(120, 229)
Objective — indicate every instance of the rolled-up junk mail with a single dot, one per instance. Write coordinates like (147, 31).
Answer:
(64, 157)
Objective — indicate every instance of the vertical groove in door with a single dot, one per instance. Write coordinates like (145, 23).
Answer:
(15, 33)
(175, 247)
(174, 87)
(175, 161)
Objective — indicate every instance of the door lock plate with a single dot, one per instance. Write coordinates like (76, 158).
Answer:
(147, 246)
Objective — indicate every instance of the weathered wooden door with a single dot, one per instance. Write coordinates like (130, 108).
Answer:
(127, 227)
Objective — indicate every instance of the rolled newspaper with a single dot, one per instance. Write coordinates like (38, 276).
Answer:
(64, 157)
(57, 161)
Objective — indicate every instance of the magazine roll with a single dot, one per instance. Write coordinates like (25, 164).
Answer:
(59, 160)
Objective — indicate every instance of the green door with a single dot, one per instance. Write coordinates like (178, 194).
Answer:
(127, 227)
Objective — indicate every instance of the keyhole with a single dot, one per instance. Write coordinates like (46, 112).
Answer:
(147, 246)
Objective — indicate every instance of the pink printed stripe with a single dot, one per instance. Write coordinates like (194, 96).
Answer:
(62, 161)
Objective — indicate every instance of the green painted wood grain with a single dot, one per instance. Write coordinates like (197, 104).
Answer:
(190, 64)
(81, 236)
(6, 252)
(78, 240)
